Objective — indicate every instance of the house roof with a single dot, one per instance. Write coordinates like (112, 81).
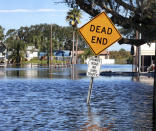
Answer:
(62, 53)
(105, 52)
(79, 52)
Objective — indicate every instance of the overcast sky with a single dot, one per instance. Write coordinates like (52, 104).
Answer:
(17, 13)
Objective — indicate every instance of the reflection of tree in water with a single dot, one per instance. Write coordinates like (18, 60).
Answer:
(74, 73)
(92, 124)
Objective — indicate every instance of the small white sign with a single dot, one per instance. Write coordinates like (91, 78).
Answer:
(94, 67)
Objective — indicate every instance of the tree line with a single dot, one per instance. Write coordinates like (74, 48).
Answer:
(121, 57)
(17, 40)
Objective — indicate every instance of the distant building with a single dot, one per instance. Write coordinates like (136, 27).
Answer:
(31, 52)
(79, 60)
(58, 54)
(80, 52)
(2, 53)
(42, 54)
(104, 56)
(147, 54)
(2, 57)
(62, 53)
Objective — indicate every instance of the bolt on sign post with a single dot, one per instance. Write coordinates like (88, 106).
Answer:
(99, 33)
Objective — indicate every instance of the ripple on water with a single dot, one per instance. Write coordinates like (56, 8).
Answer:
(60, 104)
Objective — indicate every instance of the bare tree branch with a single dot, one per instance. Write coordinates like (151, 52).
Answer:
(116, 17)
(87, 8)
(136, 42)
(125, 5)
(141, 15)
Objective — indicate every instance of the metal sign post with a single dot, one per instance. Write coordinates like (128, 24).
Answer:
(93, 71)
(90, 90)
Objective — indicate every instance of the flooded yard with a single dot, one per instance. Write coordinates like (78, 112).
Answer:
(41, 98)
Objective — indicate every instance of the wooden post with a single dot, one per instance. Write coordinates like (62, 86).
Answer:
(154, 94)
(133, 64)
(136, 60)
(51, 45)
(139, 55)
(76, 47)
(73, 47)
(139, 59)
(143, 69)
(90, 90)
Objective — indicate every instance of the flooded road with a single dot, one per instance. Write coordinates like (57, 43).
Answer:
(48, 99)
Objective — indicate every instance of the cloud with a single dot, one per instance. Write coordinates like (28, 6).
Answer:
(31, 11)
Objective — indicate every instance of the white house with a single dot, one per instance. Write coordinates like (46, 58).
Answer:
(3, 59)
(3, 51)
(147, 53)
(104, 56)
(31, 52)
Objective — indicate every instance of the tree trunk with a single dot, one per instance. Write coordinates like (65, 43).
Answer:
(48, 59)
(51, 58)
(76, 47)
(18, 59)
(73, 47)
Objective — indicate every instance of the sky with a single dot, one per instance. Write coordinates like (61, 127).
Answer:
(17, 13)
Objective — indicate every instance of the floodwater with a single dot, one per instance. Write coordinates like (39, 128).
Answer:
(38, 98)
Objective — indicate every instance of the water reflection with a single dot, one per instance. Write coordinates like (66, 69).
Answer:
(74, 72)
(93, 123)
(144, 79)
(30, 71)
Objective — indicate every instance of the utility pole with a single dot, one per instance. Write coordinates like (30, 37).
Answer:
(154, 93)
(136, 54)
(76, 47)
(90, 90)
(51, 45)
(139, 56)
(139, 59)
(73, 56)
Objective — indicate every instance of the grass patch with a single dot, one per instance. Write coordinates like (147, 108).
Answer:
(38, 61)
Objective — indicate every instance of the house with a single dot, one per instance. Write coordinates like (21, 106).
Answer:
(146, 57)
(80, 52)
(78, 59)
(63, 55)
(2, 53)
(31, 52)
(104, 56)
(59, 54)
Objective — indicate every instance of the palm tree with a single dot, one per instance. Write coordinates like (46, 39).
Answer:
(73, 17)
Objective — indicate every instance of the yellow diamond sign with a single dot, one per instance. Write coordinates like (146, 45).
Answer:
(100, 33)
